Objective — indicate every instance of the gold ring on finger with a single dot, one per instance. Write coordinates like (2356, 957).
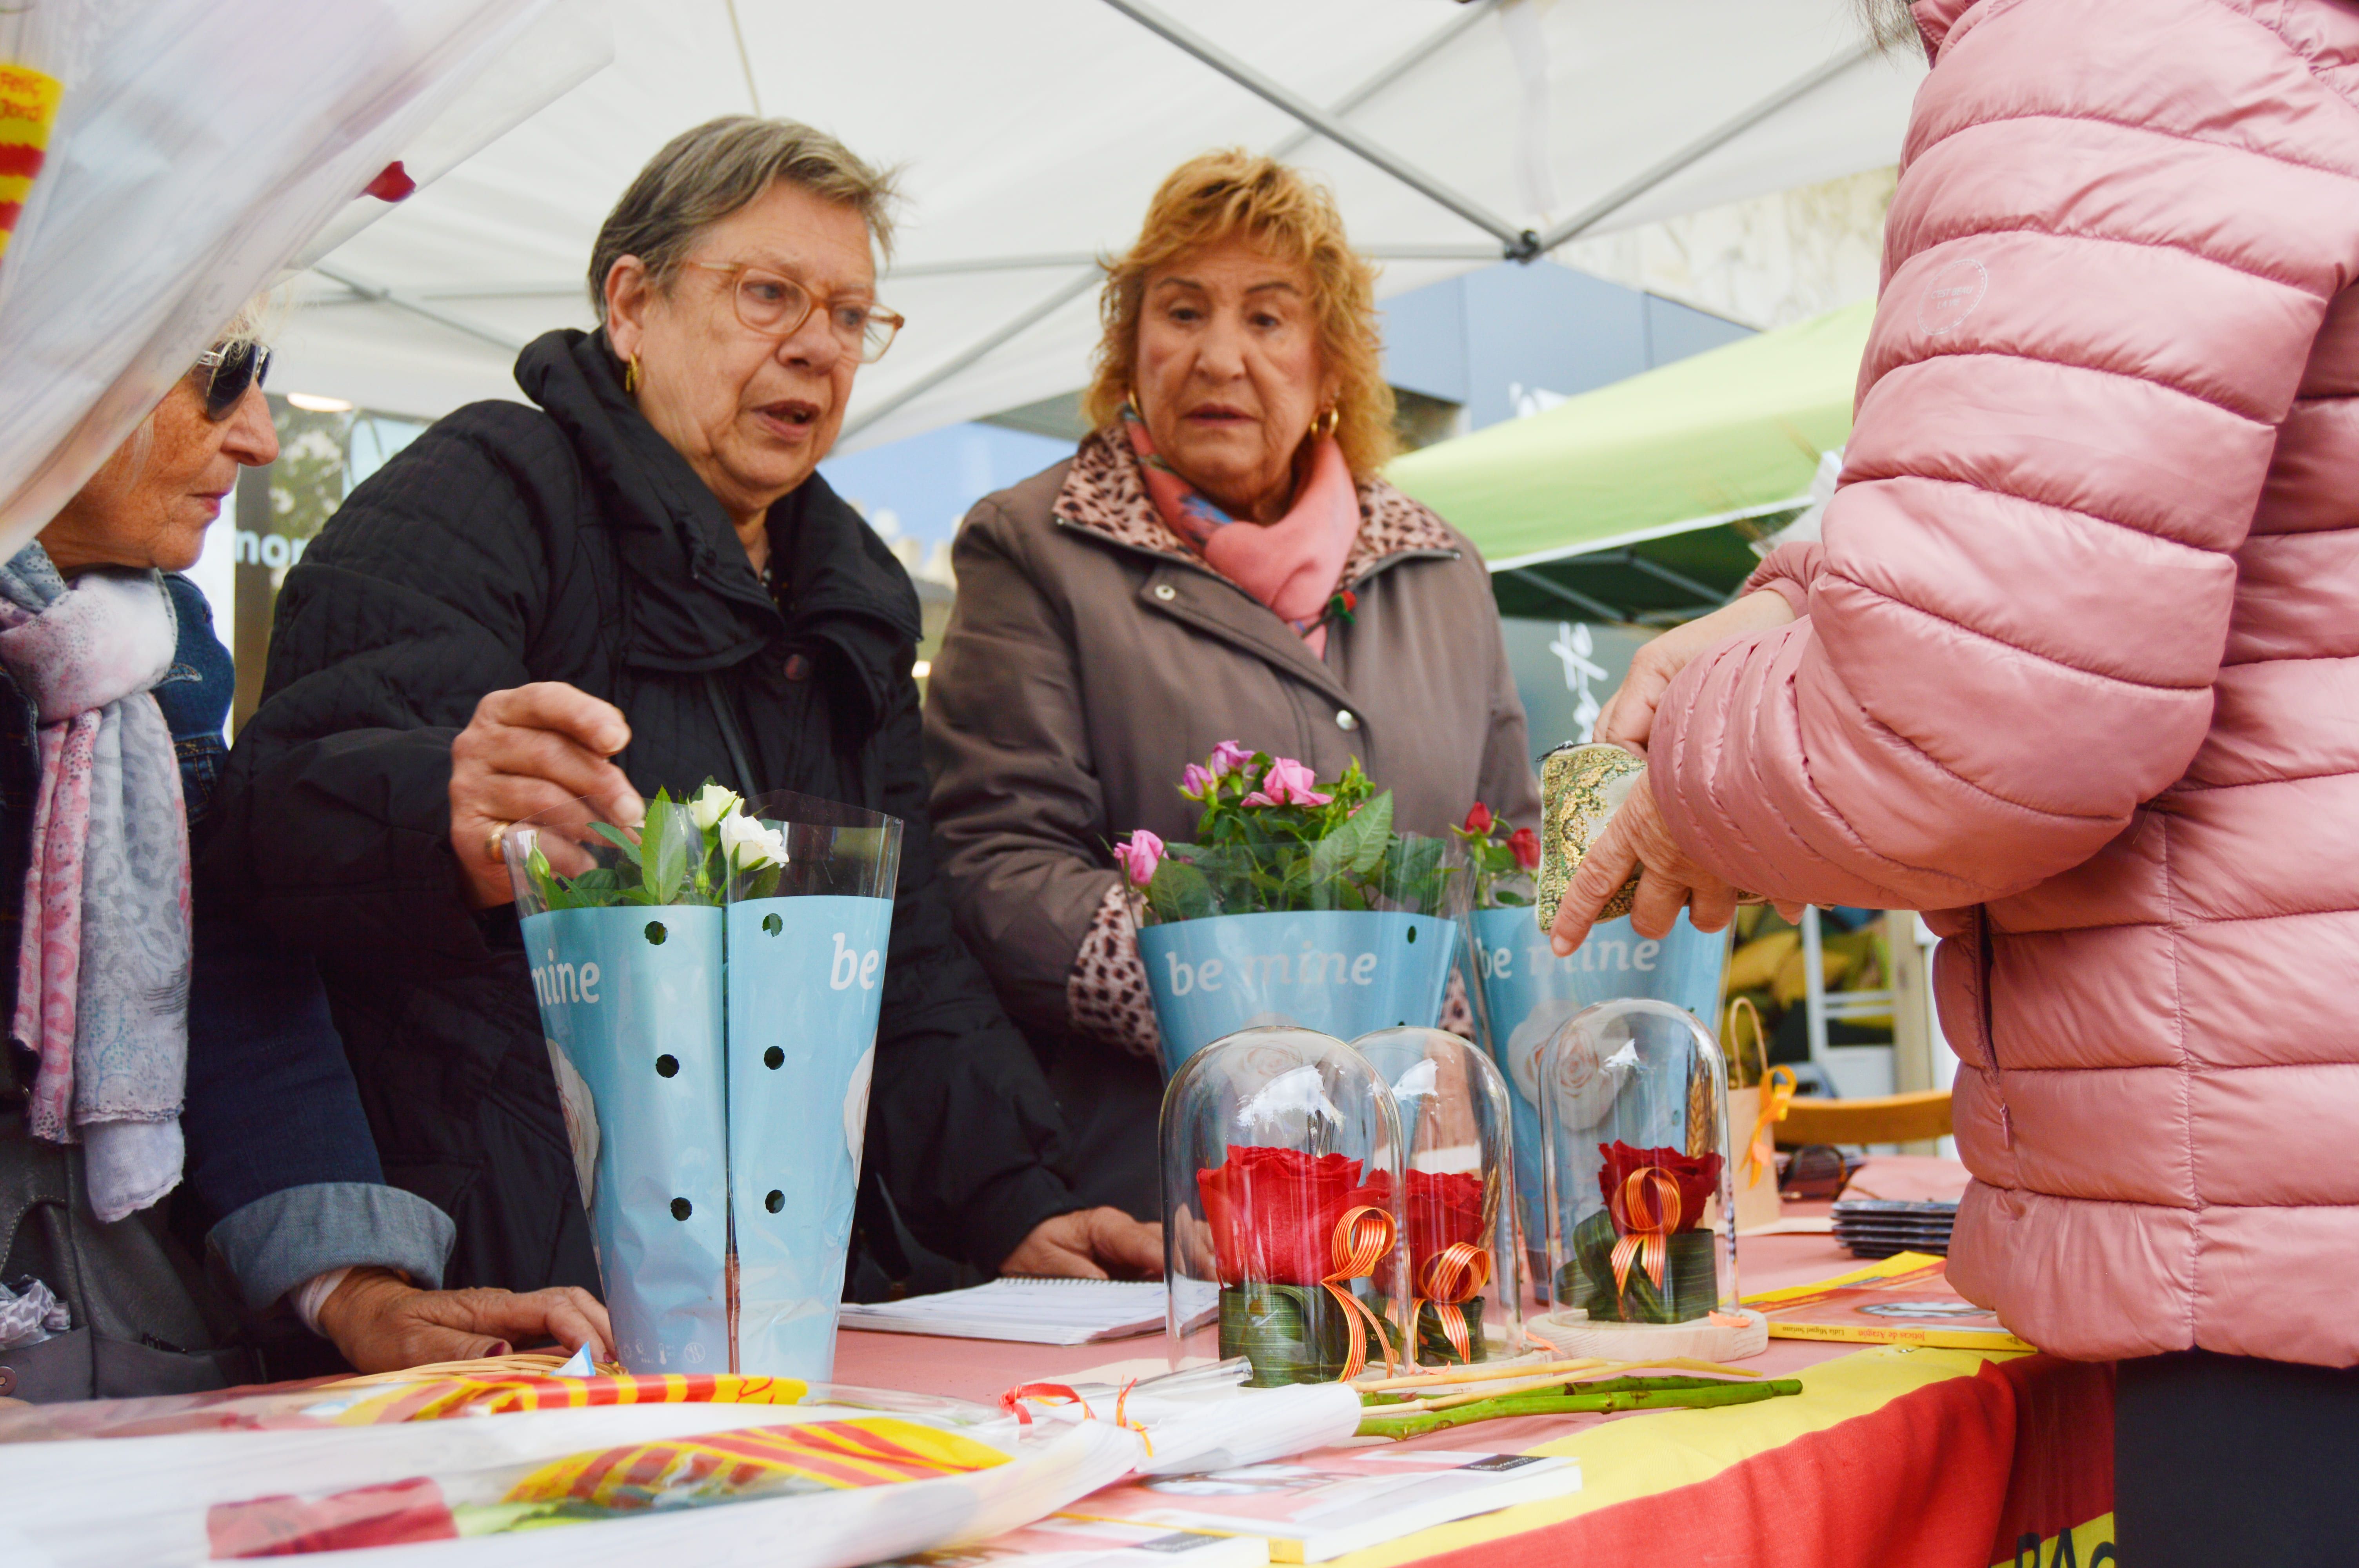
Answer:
(493, 842)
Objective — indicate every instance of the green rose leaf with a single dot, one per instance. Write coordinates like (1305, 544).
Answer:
(1358, 845)
(1179, 891)
(617, 837)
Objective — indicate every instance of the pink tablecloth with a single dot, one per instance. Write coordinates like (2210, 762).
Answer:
(981, 1369)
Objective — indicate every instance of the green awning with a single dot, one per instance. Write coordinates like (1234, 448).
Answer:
(1614, 477)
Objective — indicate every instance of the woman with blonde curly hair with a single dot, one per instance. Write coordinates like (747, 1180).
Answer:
(1220, 561)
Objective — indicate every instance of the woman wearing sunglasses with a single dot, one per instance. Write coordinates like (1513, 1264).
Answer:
(155, 1041)
(640, 582)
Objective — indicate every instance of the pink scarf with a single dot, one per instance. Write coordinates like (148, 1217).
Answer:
(102, 966)
(1292, 565)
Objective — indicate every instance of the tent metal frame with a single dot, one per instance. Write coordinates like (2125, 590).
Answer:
(1511, 242)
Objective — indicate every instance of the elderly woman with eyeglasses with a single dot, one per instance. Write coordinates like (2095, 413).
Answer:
(640, 581)
(166, 1053)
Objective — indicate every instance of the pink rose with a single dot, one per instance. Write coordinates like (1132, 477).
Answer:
(1228, 757)
(1288, 782)
(1197, 782)
(1139, 857)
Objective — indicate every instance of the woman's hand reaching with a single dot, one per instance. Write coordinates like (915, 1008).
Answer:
(528, 750)
(383, 1323)
(1628, 716)
(1636, 839)
(1090, 1244)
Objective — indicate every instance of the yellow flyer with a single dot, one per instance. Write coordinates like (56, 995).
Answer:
(1905, 1299)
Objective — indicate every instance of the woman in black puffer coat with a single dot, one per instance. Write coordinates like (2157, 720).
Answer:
(639, 583)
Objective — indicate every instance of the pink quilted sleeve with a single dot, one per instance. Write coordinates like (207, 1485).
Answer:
(1787, 571)
(2110, 251)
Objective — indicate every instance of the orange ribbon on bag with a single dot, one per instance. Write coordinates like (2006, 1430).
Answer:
(1362, 1235)
(1454, 1276)
(1776, 1093)
(1012, 1402)
(1649, 1240)
(1777, 1085)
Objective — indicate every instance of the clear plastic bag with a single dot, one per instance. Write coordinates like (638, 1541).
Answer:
(200, 146)
(712, 1035)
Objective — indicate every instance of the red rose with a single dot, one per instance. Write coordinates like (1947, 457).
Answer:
(1698, 1176)
(1273, 1213)
(1479, 819)
(1526, 846)
(1444, 1209)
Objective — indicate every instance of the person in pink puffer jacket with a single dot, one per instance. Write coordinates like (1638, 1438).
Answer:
(2076, 671)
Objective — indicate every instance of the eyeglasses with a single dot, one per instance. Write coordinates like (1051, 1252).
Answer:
(225, 375)
(776, 305)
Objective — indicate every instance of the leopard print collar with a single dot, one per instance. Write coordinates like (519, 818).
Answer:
(1105, 493)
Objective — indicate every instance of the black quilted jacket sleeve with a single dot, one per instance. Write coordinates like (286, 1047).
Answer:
(419, 599)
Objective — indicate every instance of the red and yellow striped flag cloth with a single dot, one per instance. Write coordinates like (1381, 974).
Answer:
(29, 105)
(442, 1396)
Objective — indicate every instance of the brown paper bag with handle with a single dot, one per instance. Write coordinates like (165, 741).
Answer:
(1752, 1111)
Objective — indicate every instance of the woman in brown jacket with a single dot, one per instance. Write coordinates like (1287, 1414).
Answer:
(1220, 561)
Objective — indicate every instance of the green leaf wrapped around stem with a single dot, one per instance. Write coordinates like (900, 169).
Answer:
(1682, 1395)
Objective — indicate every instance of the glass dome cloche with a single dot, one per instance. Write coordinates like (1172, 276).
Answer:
(1641, 1209)
(1282, 1187)
(1464, 1285)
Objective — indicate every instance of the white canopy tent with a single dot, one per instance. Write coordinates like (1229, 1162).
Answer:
(1033, 131)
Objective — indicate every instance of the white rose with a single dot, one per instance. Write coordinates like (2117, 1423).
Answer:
(747, 844)
(712, 804)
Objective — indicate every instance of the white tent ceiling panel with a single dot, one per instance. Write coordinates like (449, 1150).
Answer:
(1037, 129)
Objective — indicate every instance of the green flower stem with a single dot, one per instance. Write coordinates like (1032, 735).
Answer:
(1686, 1397)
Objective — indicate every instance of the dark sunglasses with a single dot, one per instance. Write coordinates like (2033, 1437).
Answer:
(224, 376)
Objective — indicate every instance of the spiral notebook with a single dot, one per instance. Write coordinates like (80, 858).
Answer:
(1036, 1311)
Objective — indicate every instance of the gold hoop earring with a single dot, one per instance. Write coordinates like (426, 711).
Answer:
(1324, 425)
(631, 375)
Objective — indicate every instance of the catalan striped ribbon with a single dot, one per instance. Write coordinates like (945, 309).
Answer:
(1362, 1235)
(1452, 1277)
(440, 1399)
(28, 103)
(1646, 1237)
(867, 1452)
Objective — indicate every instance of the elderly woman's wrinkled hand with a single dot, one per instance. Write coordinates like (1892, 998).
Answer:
(382, 1324)
(1636, 839)
(1090, 1244)
(1628, 717)
(528, 750)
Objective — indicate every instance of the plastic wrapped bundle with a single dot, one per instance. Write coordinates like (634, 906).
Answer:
(713, 1484)
(1300, 906)
(710, 984)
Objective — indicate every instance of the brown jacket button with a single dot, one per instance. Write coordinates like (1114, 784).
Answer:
(797, 668)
